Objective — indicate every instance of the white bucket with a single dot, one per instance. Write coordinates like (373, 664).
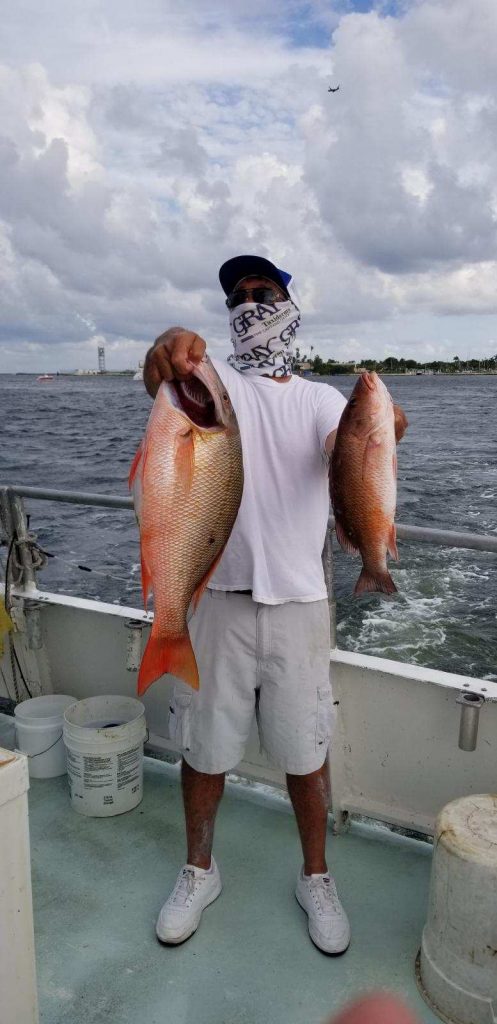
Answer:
(39, 726)
(104, 740)
(457, 968)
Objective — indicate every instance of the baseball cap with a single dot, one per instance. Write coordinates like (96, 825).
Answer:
(238, 267)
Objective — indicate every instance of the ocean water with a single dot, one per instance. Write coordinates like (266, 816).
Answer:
(81, 434)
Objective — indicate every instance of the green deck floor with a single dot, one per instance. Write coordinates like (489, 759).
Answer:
(99, 883)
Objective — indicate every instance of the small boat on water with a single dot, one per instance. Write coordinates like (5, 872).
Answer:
(139, 373)
(45, 376)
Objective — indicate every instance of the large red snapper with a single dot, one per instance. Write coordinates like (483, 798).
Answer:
(187, 481)
(363, 480)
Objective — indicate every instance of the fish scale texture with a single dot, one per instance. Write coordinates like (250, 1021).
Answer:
(192, 482)
(367, 496)
(364, 480)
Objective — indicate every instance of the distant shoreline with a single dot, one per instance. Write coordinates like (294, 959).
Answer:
(130, 373)
(397, 373)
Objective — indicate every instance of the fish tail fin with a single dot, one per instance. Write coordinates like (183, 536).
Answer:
(375, 581)
(175, 656)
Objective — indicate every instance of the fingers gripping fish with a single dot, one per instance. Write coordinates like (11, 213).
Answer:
(187, 481)
(363, 480)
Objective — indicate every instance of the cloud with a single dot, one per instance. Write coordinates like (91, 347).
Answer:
(407, 179)
(142, 146)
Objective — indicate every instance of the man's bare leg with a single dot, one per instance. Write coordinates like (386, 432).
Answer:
(310, 796)
(201, 797)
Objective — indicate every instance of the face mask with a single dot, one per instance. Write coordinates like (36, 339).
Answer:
(263, 336)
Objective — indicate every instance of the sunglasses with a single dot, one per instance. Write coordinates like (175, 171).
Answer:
(264, 295)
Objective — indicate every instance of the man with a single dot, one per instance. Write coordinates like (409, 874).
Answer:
(261, 632)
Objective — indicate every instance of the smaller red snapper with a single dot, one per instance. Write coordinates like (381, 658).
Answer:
(363, 480)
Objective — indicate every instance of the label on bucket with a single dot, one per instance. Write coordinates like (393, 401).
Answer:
(101, 784)
(128, 767)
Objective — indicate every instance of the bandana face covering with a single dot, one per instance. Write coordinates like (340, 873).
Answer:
(263, 336)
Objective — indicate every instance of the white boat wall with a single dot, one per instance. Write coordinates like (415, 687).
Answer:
(395, 756)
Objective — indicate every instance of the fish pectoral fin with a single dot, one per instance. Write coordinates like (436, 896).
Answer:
(345, 542)
(378, 581)
(370, 454)
(184, 459)
(392, 543)
(203, 582)
(401, 422)
(174, 656)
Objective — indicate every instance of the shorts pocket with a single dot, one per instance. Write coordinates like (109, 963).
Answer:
(180, 720)
(324, 720)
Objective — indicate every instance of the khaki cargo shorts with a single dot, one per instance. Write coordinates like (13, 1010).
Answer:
(269, 660)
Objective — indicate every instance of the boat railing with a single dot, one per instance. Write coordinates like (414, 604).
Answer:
(421, 534)
(15, 526)
(404, 729)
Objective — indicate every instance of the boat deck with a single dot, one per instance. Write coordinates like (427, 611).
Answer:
(98, 885)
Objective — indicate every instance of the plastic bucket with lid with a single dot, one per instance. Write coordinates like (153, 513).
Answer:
(39, 728)
(104, 740)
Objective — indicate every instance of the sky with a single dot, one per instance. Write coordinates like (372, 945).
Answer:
(143, 142)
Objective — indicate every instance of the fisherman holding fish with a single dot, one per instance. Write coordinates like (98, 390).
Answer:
(260, 633)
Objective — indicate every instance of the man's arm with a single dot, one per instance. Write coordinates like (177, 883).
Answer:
(173, 354)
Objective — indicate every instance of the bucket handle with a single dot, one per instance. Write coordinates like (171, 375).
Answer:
(40, 752)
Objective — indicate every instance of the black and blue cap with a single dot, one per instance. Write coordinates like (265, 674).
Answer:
(239, 267)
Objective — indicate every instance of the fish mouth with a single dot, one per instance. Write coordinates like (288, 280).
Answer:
(370, 379)
(194, 399)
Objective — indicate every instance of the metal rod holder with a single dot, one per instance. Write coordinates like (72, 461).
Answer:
(133, 644)
(471, 704)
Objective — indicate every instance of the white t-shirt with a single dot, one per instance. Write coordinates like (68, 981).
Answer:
(276, 543)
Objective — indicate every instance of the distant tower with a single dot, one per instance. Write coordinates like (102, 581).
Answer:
(101, 359)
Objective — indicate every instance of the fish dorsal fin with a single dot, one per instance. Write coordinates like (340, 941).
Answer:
(135, 479)
(401, 422)
(204, 581)
(345, 543)
(134, 465)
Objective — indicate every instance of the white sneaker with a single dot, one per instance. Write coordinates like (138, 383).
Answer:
(180, 916)
(329, 927)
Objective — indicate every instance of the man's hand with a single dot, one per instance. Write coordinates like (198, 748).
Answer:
(174, 354)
